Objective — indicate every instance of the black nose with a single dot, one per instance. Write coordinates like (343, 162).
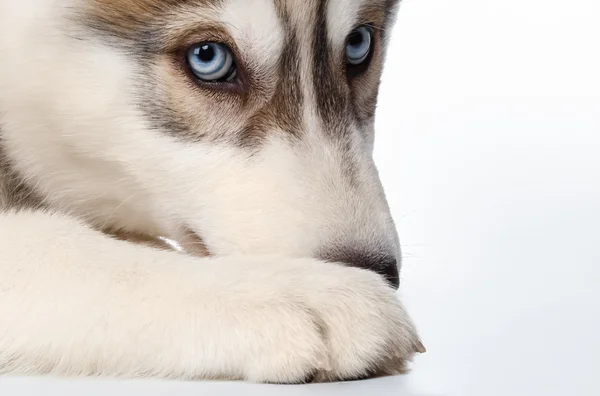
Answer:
(383, 264)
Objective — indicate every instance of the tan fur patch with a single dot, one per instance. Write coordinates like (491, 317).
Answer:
(14, 193)
(365, 88)
(124, 17)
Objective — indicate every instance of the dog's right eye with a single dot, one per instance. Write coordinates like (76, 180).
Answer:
(212, 62)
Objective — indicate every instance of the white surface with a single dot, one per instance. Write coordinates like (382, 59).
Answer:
(489, 147)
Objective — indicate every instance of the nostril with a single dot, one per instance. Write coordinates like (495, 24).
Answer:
(383, 264)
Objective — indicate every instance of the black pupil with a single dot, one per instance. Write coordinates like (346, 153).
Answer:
(355, 39)
(206, 53)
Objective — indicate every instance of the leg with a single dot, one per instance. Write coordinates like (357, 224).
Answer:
(75, 302)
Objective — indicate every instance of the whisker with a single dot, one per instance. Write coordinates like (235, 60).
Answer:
(117, 208)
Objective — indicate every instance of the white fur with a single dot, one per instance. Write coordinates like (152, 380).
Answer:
(73, 301)
(346, 19)
(262, 35)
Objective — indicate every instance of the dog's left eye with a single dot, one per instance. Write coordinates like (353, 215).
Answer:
(212, 62)
(358, 47)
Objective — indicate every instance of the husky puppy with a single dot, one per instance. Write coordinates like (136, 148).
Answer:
(241, 129)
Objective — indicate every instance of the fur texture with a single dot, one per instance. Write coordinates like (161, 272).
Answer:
(103, 133)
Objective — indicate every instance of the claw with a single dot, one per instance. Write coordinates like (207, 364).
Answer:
(420, 348)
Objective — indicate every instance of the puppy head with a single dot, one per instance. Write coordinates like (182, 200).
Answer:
(246, 123)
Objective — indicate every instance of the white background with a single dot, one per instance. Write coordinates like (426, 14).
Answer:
(489, 147)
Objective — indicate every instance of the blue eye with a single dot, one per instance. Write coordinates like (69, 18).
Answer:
(211, 62)
(358, 47)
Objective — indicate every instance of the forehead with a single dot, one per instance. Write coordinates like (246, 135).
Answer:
(242, 19)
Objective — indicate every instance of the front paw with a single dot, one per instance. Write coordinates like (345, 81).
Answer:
(331, 323)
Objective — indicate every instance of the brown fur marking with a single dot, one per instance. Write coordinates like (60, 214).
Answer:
(14, 193)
